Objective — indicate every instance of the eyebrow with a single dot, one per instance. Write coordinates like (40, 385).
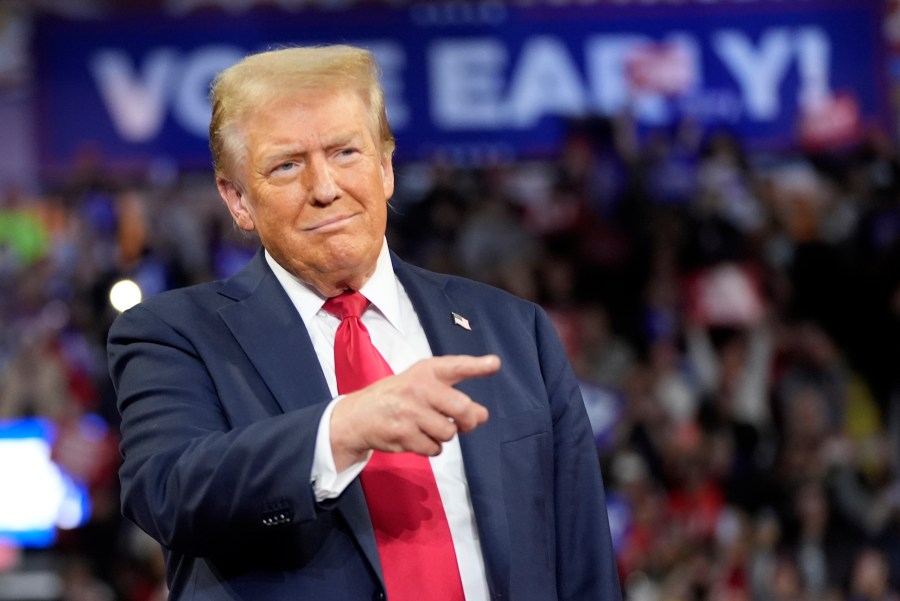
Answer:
(282, 153)
(286, 151)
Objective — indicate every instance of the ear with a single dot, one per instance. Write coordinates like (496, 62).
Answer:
(236, 201)
(387, 175)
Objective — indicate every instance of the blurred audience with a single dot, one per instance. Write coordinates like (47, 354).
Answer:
(733, 318)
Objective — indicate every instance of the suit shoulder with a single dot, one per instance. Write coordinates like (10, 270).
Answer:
(184, 304)
(484, 295)
(486, 292)
(196, 293)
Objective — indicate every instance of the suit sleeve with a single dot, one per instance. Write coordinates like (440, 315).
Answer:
(585, 562)
(191, 478)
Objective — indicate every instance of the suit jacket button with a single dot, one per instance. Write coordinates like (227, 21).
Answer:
(379, 596)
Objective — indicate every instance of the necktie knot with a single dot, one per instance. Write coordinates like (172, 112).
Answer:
(347, 304)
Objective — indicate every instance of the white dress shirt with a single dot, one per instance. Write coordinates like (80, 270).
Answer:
(398, 335)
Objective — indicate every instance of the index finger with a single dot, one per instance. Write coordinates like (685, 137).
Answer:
(451, 369)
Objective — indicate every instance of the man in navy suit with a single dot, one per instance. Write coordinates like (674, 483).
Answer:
(240, 457)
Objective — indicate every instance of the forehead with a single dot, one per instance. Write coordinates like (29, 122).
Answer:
(308, 116)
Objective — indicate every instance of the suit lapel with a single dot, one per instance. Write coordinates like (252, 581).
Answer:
(272, 334)
(481, 447)
(266, 324)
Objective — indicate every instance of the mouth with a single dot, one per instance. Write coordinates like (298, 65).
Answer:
(330, 224)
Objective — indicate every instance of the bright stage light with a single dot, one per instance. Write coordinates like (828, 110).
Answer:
(124, 294)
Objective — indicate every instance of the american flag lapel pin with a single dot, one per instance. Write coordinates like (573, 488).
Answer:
(461, 321)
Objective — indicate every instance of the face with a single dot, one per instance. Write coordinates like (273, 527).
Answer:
(314, 186)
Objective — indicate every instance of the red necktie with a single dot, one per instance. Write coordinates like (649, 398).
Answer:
(411, 530)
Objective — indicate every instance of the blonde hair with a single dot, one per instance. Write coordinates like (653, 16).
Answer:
(239, 90)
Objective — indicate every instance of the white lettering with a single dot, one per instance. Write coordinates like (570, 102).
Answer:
(758, 72)
(466, 83)
(392, 60)
(813, 62)
(191, 100)
(135, 104)
(610, 90)
(546, 81)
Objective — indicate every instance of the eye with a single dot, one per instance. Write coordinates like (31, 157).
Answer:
(347, 152)
(285, 166)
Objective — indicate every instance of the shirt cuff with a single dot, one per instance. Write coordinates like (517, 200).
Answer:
(327, 483)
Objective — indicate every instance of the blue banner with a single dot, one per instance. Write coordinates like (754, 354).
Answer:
(478, 79)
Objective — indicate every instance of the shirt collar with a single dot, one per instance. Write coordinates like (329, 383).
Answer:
(381, 289)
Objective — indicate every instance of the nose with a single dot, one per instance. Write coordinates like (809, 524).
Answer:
(320, 181)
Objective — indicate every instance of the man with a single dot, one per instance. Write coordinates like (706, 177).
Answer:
(247, 454)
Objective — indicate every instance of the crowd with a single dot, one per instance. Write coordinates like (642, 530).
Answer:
(734, 319)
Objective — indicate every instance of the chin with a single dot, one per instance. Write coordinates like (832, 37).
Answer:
(339, 255)
(348, 270)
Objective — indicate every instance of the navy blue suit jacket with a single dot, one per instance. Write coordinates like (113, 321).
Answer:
(220, 393)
